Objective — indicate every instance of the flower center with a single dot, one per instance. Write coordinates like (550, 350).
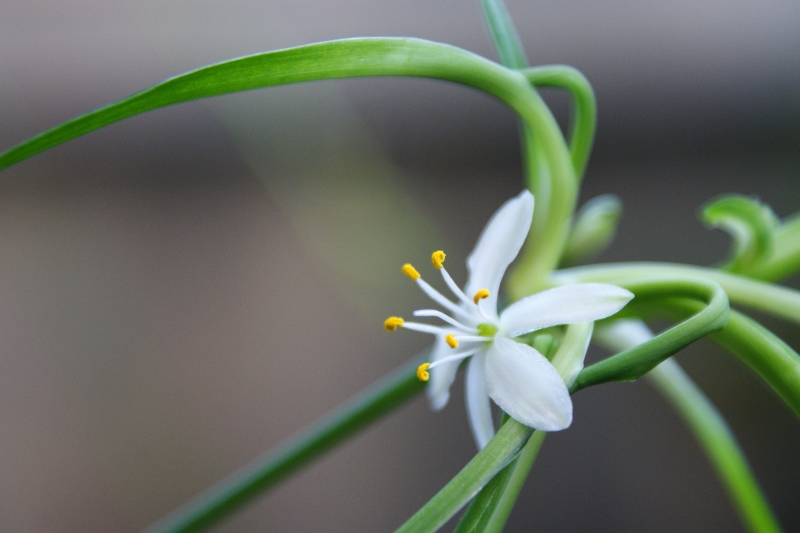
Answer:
(487, 330)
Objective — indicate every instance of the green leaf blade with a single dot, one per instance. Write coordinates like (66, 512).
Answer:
(344, 58)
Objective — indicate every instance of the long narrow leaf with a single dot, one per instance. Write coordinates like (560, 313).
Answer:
(333, 59)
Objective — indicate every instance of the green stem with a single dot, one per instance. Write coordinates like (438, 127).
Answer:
(584, 120)
(241, 487)
(501, 450)
(719, 444)
(480, 509)
(504, 34)
(767, 297)
(710, 314)
(522, 468)
(763, 351)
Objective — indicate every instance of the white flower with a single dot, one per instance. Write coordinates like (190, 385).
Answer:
(516, 376)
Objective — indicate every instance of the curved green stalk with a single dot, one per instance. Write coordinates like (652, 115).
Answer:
(785, 258)
(763, 351)
(710, 315)
(345, 58)
(584, 120)
(719, 444)
(241, 487)
(774, 299)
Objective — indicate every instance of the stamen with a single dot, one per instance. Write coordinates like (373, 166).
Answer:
(437, 258)
(480, 295)
(436, 296)
(422, 372)
(472, 338)
(453, 287)
(451, 341)
(426, 328)
(454, 357)
(450, 320)
(410, 271)
(393, 322)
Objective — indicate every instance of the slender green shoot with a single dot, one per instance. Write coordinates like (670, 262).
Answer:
(241, 487)
(719, 444)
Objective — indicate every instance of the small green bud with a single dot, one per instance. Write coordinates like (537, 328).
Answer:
(595, 225)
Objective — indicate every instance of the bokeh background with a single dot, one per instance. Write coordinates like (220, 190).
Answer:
(184, 290)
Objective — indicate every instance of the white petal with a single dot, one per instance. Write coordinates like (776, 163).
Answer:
(478, 408)
(438, 389)
(498, 245)
(526, 386)
(569, 304)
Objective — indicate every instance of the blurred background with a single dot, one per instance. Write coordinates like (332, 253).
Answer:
(186, 289)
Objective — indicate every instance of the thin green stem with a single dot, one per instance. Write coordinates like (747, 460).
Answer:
(504, 34)
(480, 509)
(241, 487)
(501, 450)
(710, 308)
(719, 444)
(584, 119)
(763, 351)
(774, 299)
(522, 468)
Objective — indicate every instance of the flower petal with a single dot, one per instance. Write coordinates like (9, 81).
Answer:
(498, 245)
(526, 386)
(438, 389)
(568, 304)
(478, 408)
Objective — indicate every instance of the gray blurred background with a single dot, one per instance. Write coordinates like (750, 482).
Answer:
(184, 290)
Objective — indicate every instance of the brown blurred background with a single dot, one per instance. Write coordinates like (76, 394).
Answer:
(184, 290)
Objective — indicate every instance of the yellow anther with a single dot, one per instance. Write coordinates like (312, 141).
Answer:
(480, 295)
(410, 271)
(437, 258)
(422, 372)
(392, 323)
(451, 340)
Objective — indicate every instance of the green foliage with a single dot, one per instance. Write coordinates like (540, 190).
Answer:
(751, 224)
(696, 298)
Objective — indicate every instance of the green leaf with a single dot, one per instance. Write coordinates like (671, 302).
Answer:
(594, 229)
(785, 258)
(711, 314)
(345, 58)
(750, 223)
